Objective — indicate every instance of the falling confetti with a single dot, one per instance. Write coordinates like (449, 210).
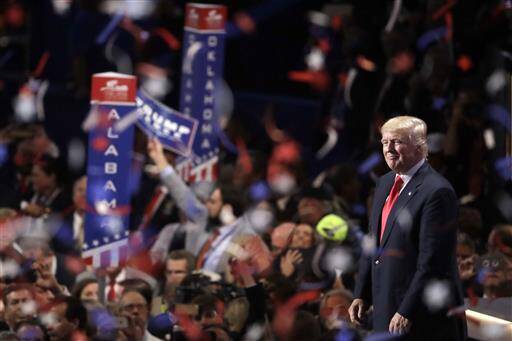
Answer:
(436, 295)
(261, 219)
(369, 245)
(76, 154)
(338, 259)
(496, 81)
(29, 308)
(4, 153)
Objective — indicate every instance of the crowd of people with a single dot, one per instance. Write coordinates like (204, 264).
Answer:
(271, 249)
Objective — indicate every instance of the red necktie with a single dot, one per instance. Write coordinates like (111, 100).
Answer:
(388, 205)
(201, 258)
(111, 295)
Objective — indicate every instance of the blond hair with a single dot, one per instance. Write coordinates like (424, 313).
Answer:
(413, 127)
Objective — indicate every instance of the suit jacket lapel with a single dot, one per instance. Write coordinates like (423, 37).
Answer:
(405, 196)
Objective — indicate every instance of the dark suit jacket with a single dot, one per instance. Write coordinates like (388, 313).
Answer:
(418, 247)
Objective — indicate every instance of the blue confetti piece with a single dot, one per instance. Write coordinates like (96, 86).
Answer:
(504, 167)
(224, 139)
(347, 334)
(5, 58)
(259, 191)
(438, 103)
(359, 209)
(368, 164)
(481, 275)
(4, 153)
(499, 114)
(107, 31)
(429, 37)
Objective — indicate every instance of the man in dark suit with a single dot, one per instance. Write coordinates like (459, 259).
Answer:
(413, 221)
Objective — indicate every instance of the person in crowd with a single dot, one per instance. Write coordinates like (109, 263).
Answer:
(413, 250)
(198, 217)
(69, 237)
(291, 261)
(208, 245)
(86, 290)
(467, 265)
(48, 194)
(50, 269)
(134, 305)
(494, 273)
(211, 315)
(19, 305)
(68, 319)
(179, 264)
(333, 309)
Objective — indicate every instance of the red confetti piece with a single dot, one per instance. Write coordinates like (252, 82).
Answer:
(337, 23)
(443, 9)
(100, 143)
(324, 45)
(464, 63)
(168, 38)
(365, 63)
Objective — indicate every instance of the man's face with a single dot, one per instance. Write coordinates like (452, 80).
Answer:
(399, 151)
(214, 204)
(175, 271)
(311, 210)
(79, 193)
(60, 328)
(15, 308)
(40, 180)
(134, 305)
(335, 308)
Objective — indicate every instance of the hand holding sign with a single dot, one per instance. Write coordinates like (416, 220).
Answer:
(156, 153)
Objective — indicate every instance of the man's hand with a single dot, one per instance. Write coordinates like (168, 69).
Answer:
(399, 324)
(35, 210)
(156, 153)
(357, 311)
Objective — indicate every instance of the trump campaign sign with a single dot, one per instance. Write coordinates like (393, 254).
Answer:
(174, 130)
(202, 67)
(108, 166)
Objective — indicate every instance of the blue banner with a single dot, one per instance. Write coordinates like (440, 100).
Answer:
(202, 68)
(174, 130)
(108, 169)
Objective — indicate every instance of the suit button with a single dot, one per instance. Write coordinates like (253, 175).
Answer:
(377, 262)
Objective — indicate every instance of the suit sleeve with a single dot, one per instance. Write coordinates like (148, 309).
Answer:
(363, 289)
(184, 197)
(437, 238)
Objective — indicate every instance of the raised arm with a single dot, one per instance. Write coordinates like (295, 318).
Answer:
(179, 191)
